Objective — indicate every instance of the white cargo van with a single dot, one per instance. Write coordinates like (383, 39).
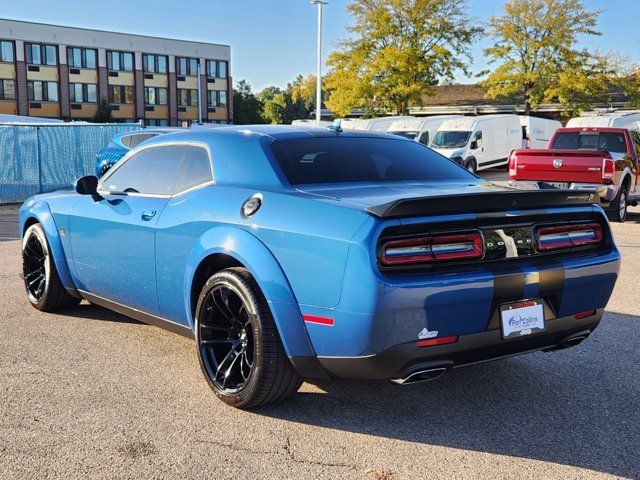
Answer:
(379, 124)
(629, 120)
(536, 131)
(478, 143)
(420, 129)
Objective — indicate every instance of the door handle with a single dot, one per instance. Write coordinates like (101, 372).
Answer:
(148, 214)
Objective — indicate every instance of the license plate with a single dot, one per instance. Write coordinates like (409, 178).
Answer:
(522, 318)
(560, 185)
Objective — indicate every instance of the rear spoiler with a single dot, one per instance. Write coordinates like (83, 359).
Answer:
(484, 202)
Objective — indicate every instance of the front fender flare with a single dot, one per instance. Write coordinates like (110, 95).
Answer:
(40, 212)
(263, 266)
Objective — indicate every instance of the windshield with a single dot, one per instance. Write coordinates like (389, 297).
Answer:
(349, 159)
(406, 134)
(605, 141)
(450, 139)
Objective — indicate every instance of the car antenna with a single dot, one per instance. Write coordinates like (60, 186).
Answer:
(336, 126)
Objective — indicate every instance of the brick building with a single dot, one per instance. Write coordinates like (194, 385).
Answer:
(63, 72)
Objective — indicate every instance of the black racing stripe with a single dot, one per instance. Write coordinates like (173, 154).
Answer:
(551, 279)
(508, 286)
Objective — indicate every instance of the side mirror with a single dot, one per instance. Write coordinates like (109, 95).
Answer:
(474, 145)
(88, 186)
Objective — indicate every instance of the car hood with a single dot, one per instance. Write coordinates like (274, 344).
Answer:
(449, 152)
(363, 196)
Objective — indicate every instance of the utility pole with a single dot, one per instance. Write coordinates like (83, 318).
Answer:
(319, 3)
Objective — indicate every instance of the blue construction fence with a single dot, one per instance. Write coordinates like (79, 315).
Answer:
(46, 157)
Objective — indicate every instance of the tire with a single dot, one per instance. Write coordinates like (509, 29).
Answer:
(41, 280)
(470, 165)
(238, 345)
(618, 211)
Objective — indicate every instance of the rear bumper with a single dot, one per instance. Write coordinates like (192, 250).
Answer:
(606, 192)
(402, 360)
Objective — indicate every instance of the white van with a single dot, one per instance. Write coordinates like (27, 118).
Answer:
(379, 124)
(629, 120)
(308, 122)
(478, 143)
(536, 131)
(421, 129)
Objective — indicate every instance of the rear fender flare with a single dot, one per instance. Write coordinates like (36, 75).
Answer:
(265, 269)
(41, 213)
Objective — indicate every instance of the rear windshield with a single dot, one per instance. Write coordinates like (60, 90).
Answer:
(349, 159)
(605, 141)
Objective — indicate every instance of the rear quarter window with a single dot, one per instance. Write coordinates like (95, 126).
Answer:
(352, 159)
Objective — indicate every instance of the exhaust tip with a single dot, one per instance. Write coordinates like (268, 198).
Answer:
(573, 341)
(421, 376)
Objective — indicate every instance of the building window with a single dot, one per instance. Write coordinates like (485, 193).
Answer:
(121, 94)
(7, 90)
(155, 63)
(156, 122)
(217, 98)
(6, 51)
(122, 61)
(41, 54)
(187, 97)
(155, 96)
(187, 66)
(81, 57)
(83, 93)
(217, 68)
(42, 91)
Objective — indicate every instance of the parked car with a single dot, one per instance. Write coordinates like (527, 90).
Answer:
(379, 124)
(121, 144)
(604, 160)
(420, 129)
(478, 143)
(536, 131)
(621, 119)
(289, 253)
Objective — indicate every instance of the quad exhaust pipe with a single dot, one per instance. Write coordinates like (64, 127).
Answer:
(421, 376)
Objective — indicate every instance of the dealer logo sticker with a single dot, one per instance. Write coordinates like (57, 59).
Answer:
(424, 334)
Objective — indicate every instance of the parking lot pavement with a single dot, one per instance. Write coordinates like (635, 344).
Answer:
(94, 394)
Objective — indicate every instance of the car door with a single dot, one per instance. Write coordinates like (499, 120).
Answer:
(478, 152)
(635, 140)
(113, 239)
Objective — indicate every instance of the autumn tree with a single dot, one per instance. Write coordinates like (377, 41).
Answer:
(398, 50)
(535, 49)
(274, 102)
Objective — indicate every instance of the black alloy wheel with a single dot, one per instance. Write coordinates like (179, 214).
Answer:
(239, 348)
(44, 288)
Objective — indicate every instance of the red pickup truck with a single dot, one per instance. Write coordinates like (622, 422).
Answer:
(602, 159)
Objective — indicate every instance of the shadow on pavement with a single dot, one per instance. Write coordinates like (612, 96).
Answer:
(95, 312)
(579, 406)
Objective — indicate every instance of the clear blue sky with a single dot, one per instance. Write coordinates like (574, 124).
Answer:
(273, 40)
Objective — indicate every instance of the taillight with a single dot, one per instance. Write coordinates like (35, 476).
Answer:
(432, 249)
(513, 165)
(567, 236)
(608, 170)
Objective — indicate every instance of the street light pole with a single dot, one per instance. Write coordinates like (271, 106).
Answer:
(319, 3)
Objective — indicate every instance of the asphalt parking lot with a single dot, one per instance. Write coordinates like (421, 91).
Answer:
(94, 394)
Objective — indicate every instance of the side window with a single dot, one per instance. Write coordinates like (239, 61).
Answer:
(195, 169)
(478, 138)
(635, 136)
(424, 138)
(151, 171)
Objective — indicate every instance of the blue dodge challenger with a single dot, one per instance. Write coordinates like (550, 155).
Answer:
(291, 253)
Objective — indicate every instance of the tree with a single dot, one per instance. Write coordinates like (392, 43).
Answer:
(103, 113)
(247, 108)
(275, 105)
(536, 48)
(398, 51)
